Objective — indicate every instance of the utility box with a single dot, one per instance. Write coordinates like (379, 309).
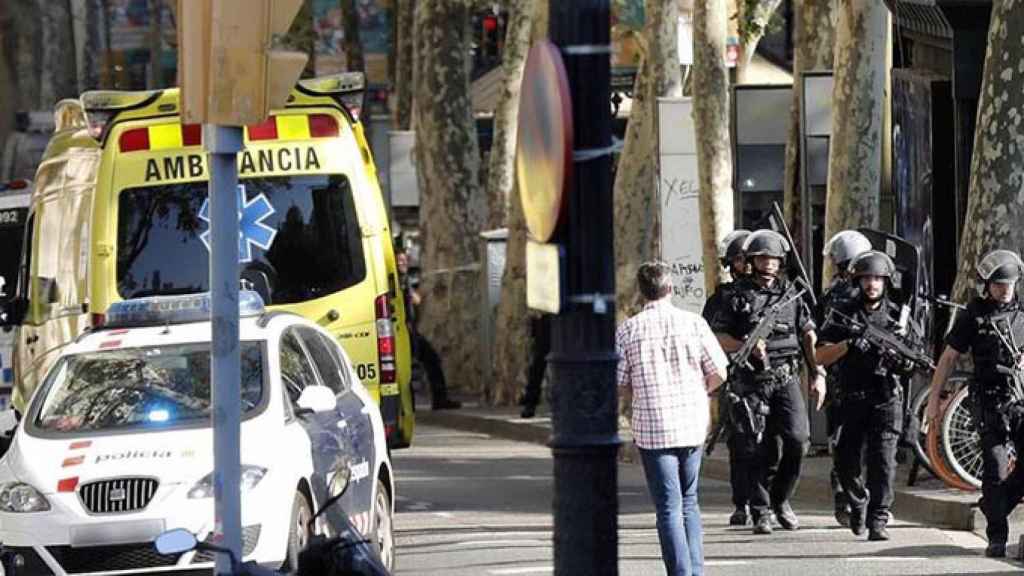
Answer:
(492, 270)
(402, 184)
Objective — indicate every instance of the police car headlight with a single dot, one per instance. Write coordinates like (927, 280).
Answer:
(20, 497)
(251, 476)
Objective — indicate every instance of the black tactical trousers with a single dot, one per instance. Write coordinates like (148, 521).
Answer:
(1001, 489)
(871, 424)
(739, 469)
(777, 458)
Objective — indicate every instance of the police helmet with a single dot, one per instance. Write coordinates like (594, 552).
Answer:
(765, 243)
(872, 263)
(1001, 266)
(732, 246)
(846, 245)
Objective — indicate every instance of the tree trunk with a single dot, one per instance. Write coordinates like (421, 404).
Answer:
(7, 92)
(353, 44)
(753, 16)
(855, 151)
(44, 53)
(995, 205)
(404, 42)
(452, 209)
(513, 340)
(637, 209)
(94, 46)
(501, 172)
(155, 40)
(302, 37)
(711, 124)
(814, 38)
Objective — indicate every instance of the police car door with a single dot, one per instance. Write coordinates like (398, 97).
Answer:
(343, 437)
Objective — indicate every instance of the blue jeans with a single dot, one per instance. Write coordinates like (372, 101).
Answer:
(672, 480)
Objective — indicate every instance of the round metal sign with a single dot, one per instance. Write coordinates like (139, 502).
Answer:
(544, 145)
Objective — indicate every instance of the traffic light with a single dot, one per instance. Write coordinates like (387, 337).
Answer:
(230, 75)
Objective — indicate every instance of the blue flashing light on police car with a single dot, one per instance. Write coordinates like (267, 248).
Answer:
(175, 309)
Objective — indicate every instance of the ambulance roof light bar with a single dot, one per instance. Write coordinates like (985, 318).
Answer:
(184, 309)
(102, 105)
(347, 87)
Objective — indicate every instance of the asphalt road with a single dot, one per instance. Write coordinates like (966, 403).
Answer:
(469, 504)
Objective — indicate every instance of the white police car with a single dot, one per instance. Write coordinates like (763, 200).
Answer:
(116, 446)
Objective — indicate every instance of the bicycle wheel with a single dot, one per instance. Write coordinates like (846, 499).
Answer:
(961, 443)
(940, 466)
(919, 407)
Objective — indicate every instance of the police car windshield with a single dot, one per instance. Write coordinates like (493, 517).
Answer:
(153, 387)
(300, 238)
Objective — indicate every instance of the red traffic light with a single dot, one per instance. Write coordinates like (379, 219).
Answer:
(490, 23)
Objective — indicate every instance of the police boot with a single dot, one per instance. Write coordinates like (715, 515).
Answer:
(842, 509)
(763, 524)
(878, 533)
(786, 517)
(857, 520)
(739, 517)
(996, 550)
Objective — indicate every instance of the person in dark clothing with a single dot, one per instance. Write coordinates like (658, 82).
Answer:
(422, 350)
(841, 249)
(732, 259)
(870, 393)
(540, 333)
(992, 330)
(769, 383)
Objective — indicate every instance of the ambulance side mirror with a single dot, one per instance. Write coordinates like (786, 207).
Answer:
(48, 290)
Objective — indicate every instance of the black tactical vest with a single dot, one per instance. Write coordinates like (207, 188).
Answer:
(993, 325)
(749, 299)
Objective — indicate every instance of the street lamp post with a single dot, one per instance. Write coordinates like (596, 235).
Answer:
(584, 405)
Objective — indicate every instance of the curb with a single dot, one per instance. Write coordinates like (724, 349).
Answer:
(945, 508)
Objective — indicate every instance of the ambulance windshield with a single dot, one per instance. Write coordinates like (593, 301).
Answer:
(300, 238)
(154, 387)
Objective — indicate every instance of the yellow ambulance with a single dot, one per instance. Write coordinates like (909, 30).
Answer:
(119, 210)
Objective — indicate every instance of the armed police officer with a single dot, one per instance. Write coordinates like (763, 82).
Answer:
(992, 330)
(869, 375)
(765, 319)
(841, 249)
(733, 261)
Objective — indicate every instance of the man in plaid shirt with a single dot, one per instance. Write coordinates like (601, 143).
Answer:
(670, 363)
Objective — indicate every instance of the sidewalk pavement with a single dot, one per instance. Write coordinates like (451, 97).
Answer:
(928, 502)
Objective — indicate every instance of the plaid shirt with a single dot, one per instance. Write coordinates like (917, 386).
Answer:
(666, 354)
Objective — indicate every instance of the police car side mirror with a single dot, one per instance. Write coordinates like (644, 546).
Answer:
(316, 399)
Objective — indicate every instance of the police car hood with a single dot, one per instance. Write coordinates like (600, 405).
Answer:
(179, 456)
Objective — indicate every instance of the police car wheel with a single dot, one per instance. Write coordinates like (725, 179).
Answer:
(383, 537)
(298, 532)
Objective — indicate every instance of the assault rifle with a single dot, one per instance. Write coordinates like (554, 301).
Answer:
(1016, 356)
(886, 343)
(734, 412)
(738, 408)
(766, 319)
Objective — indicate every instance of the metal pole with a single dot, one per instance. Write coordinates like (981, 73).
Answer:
(584, 405)
(223, 144)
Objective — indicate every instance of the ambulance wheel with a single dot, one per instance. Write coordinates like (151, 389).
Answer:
(298, 532)
(383, 534)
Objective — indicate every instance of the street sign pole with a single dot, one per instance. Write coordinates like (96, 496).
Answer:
(584, 403)
(223, 144)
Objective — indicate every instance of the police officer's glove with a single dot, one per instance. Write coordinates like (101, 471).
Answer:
(860, 344)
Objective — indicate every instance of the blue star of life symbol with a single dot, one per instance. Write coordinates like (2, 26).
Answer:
(251, 229)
